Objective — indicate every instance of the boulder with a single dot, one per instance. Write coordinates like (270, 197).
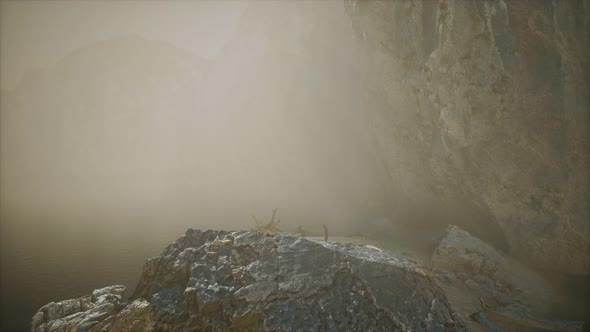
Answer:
(247, 280)
(463, 253)
(251, 281)
(78, 314)
(458, 250)
(497, 292)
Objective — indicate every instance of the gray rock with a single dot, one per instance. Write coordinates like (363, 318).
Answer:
(83, 327)
(458, 250)
(108, 294)
(512, 294)
(135, 317)
(471, 258)
(78, 314)
(250, 281)
(247, 280)
(37, 319)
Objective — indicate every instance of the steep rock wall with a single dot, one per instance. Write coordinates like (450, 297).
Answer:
(487, 102)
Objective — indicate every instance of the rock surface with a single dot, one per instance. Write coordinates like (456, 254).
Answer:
(137, 316)
(458, 250)
(80, 314)
(488, 101)
(492, 291)
(250, 281)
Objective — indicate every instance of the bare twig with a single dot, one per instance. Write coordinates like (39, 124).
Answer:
(270, 227)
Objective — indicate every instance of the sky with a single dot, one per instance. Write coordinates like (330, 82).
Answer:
(36, 34)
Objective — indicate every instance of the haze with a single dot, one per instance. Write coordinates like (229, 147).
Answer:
(123, 123)
(196, 114)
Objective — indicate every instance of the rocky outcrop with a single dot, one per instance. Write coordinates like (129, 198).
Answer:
(458, 250)
(79, 314)
(493, 291)
(137, 316)
(250, 281)
(111, 315)
(488, 101)
(253, 281)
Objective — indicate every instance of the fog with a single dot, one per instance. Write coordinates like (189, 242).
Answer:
(195, 114)
(125, 123)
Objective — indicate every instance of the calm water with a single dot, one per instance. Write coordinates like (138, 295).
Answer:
(41, 264)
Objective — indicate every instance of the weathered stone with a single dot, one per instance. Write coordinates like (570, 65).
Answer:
(83, 327)
(108, 294)
(486, 103)
(516, 317)
(287, 283)
(459, 251)
(38, 319)
(78, 314)
(135, 317)
(471, 258)
(496, 292)
(256, 281)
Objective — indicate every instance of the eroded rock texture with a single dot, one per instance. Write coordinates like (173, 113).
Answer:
(459, 250)
(491, 291)
(250, 281)
(218, 280)
(488, 101)
(81, 314)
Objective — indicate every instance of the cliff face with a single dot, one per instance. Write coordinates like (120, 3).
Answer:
(488, 101)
